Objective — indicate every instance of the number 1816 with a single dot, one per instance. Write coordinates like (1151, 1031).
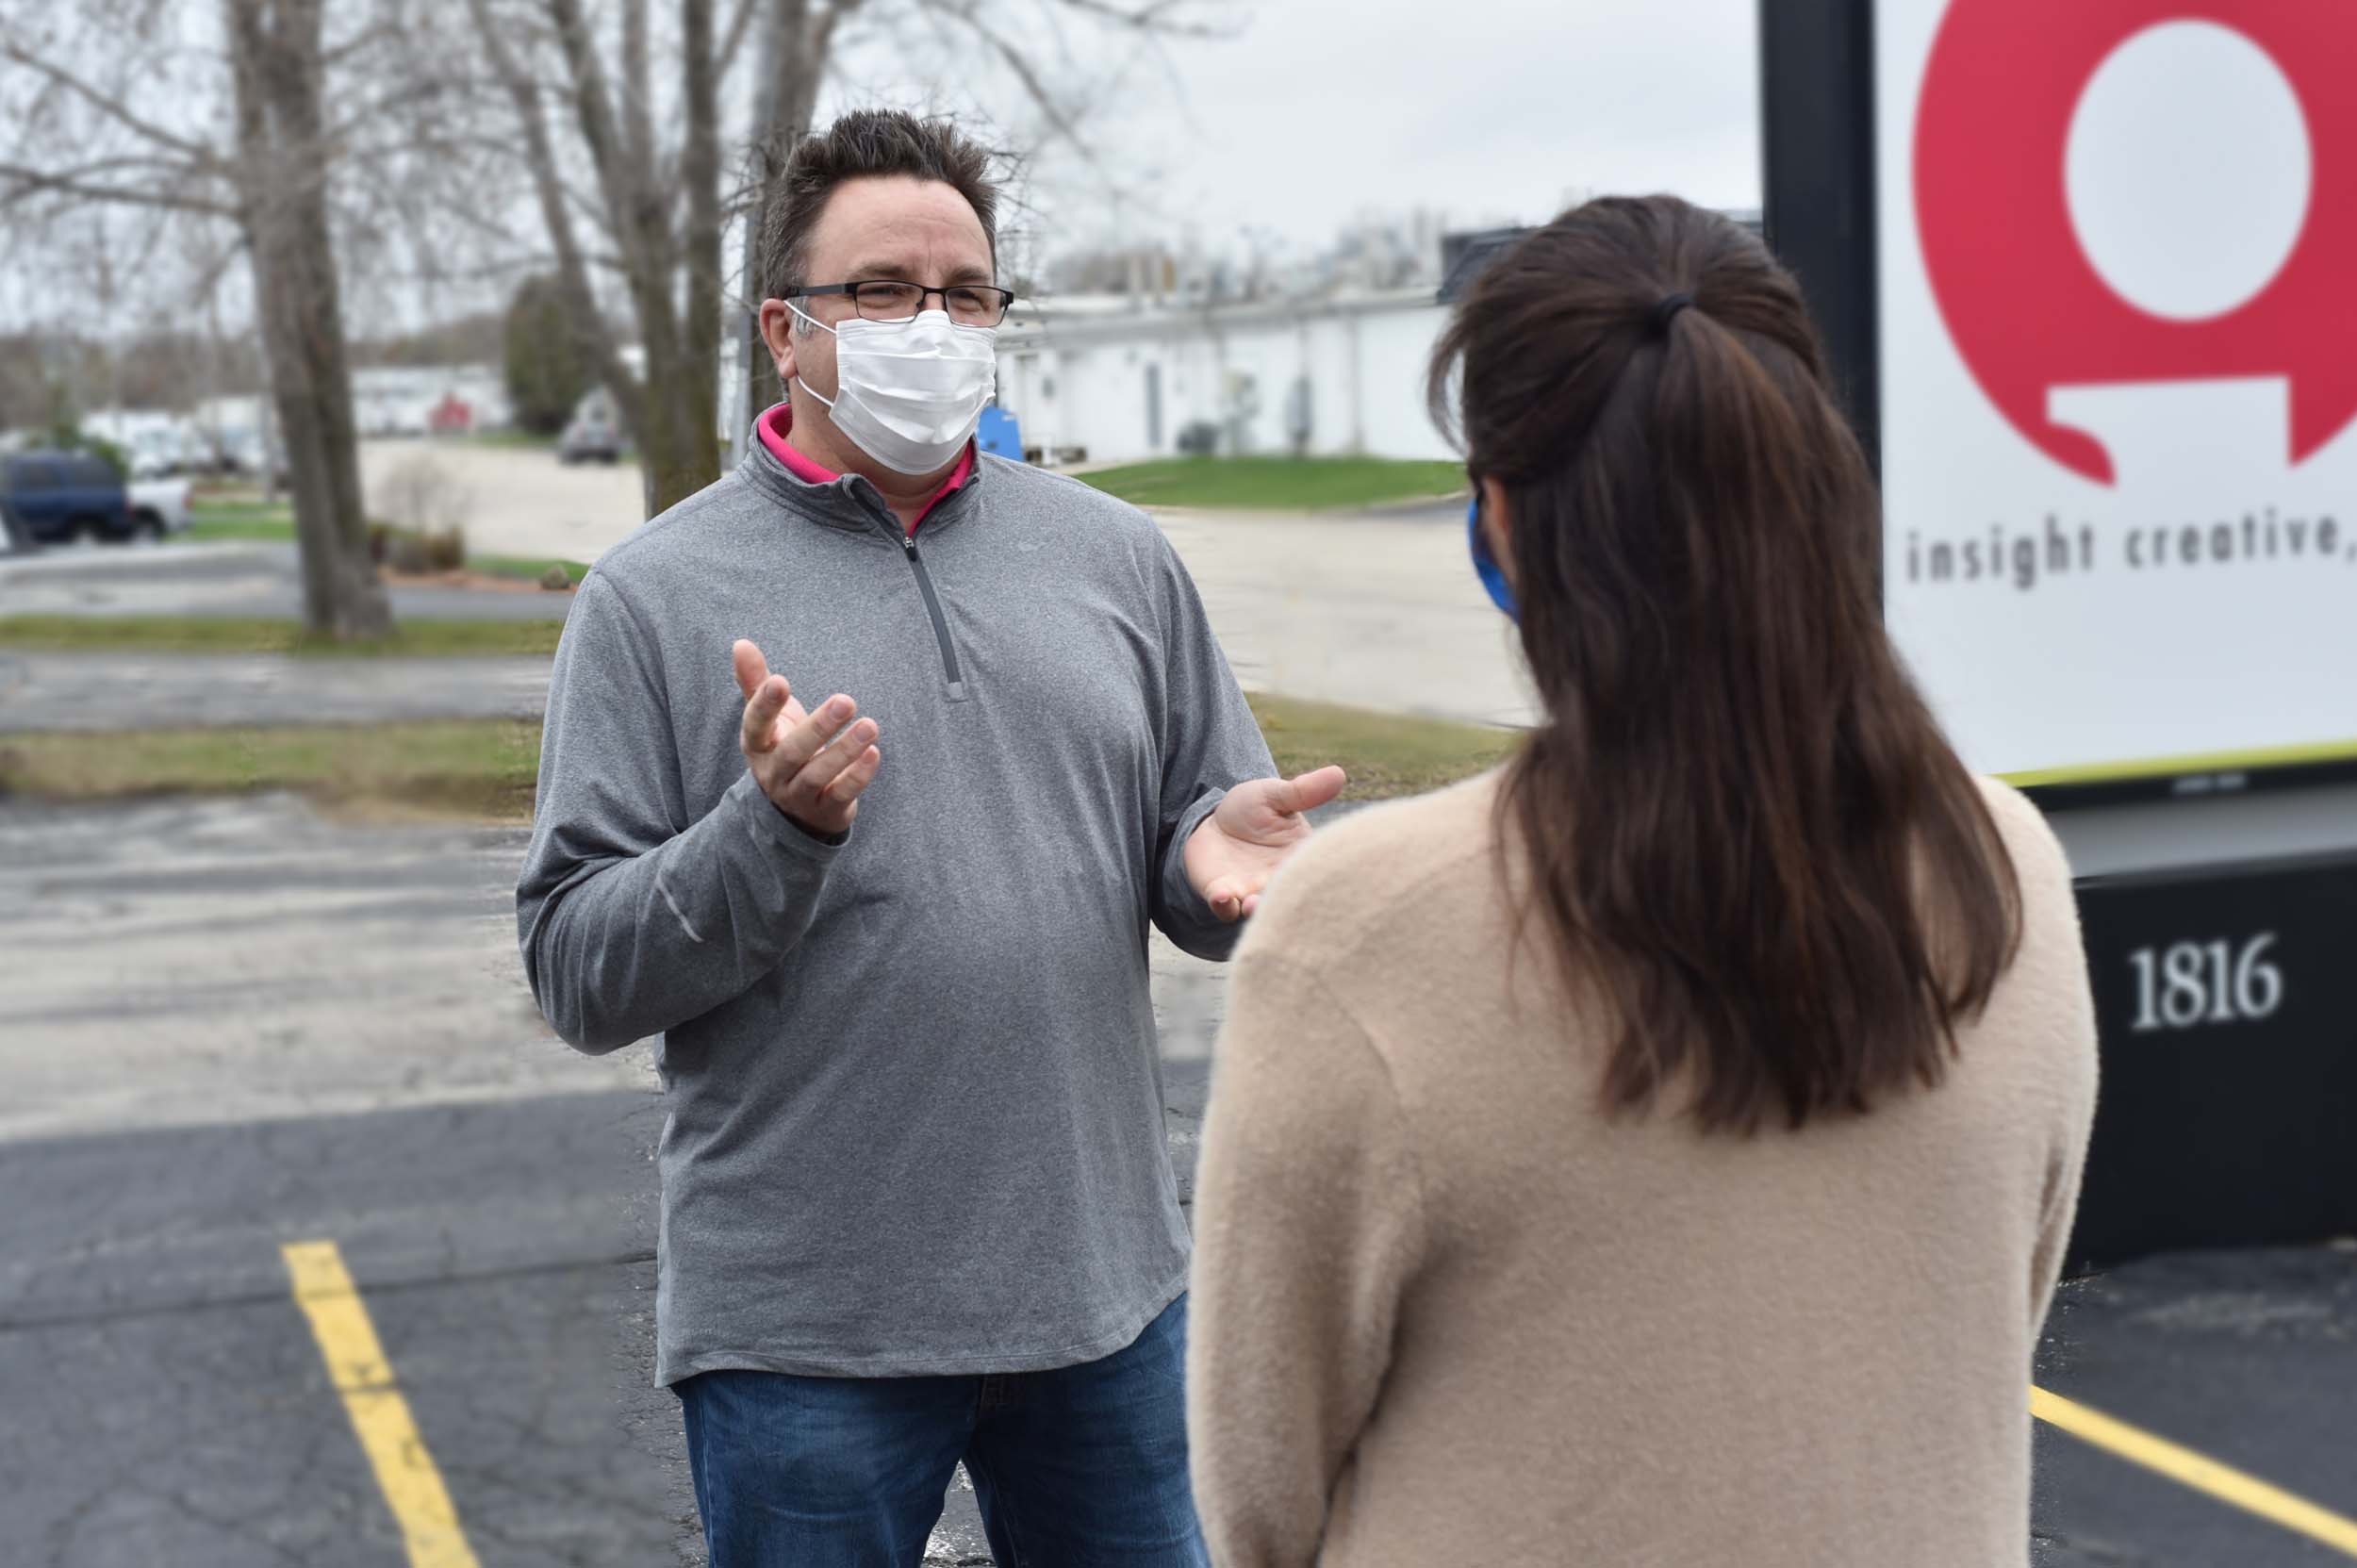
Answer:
(2189, 984)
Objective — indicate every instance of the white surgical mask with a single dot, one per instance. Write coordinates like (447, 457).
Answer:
(909, 393)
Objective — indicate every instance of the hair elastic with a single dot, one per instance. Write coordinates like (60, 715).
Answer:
(1658, 322)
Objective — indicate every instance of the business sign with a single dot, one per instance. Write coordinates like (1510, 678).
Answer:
(2227, 1005)
(2118, 279)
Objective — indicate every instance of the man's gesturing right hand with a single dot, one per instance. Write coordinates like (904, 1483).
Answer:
(812, 766)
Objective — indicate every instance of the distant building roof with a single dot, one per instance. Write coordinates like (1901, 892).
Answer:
(1074, 319)
(1464, 256)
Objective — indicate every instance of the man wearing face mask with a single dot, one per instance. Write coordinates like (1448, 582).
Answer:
(917, 1206)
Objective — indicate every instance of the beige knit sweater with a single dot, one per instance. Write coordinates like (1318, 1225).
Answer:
(1446, 1313)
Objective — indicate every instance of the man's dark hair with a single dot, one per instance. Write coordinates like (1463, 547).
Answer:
(864, 145)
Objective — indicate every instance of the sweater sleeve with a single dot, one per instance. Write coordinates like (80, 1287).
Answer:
(2061, 1207)
(1211, 742)
(1309, 1226)
(2051, 933)
(2056, 1000)
(631, 919)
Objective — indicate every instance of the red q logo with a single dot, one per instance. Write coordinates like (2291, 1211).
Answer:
(2024, 304)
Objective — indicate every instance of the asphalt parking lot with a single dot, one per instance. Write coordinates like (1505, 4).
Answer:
(232, 1031)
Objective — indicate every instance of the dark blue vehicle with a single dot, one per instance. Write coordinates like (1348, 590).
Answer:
(58, 496)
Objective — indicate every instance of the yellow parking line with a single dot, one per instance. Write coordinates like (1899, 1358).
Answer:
(2204, 1474)
(380, 1416)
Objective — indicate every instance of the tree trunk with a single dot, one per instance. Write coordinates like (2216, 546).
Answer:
(572, 273)
(700, 168)
(678, 451)
(269, 430)
(678, 447)
(793, 58)
(275, 48)
(671, 271)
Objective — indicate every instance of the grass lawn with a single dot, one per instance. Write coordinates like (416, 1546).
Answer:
(252, 519)
(259, 635)
(1386, 754)
(1279, 484)
(238, 520)
(484, 769)
(521, 566)
(476, 769)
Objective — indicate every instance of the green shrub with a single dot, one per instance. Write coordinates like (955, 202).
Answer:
(548, 370)
(70, 437)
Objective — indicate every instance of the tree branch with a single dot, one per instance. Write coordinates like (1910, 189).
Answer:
(700, 175)
(1060, 120)
(1156, 18)
(637, 92)
(196, 152)
(641, 225)
(402, 97)
(593, 111)
(732, 37)
(359, 43)
(22, 185)
(590, 210)
(817, 50)
(572, 271)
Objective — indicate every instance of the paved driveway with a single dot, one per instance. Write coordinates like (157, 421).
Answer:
(122, 691)
(229, 1027)
(226, 1026)
(513, 500)
(1376, 610)
(246, 577)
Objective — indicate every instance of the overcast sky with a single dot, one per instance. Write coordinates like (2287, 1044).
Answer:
(1312, 113)
(1318, 109)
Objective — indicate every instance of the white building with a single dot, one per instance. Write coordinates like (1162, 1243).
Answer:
(1116, 378)
(400, 400)
(1121, 378)
(153, 441)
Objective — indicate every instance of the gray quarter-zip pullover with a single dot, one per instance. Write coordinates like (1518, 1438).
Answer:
(916, 1104)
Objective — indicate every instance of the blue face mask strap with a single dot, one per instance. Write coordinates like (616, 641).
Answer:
(1484, 566)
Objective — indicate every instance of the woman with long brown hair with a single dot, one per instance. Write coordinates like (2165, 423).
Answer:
(1658, 1149)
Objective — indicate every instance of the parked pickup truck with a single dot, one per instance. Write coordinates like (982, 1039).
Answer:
(158, 507)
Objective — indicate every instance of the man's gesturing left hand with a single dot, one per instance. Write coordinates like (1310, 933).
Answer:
(1231, 855)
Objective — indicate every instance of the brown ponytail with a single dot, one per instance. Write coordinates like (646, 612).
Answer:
(1740, 822)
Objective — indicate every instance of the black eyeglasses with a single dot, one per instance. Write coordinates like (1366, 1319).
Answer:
(889, 300)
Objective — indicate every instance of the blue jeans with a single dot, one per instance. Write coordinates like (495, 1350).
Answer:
(1080, 1467)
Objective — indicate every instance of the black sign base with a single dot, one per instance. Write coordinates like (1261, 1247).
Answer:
(2227, 1003)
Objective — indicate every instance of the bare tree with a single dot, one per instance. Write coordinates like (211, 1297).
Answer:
(671, 418)
(128, 112)
(1147, 268)
(276, 66)
(796, 43)
(617, 200)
